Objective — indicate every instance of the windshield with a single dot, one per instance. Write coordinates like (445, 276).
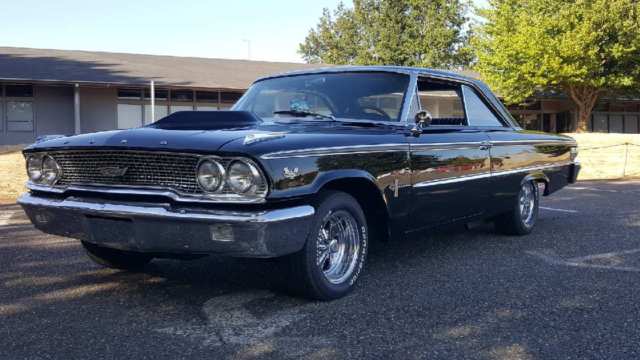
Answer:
(376, 96)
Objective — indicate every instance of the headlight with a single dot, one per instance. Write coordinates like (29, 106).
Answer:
(210, 175)
(34, 168)
(243, 177)
(43, 169)
(574, 153)
(50, 170)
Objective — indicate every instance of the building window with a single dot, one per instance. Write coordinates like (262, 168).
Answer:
(176, 108)
(160, 112)
(19, 107)
(230, 97)
(207, 96)
(130, 94)
(160, 94)
(182, 95)
(19, 91)
(129, 116)
(19, 115)
(206, 108)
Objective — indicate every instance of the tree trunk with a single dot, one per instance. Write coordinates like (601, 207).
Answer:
(585, 98)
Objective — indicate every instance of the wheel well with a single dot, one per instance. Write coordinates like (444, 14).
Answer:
(370, 200)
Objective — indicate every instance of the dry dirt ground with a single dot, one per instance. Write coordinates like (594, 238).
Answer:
(608, 156)
(12, 176)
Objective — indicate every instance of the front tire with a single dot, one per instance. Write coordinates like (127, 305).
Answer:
(335, 251)
(524, 214)
(116, 259)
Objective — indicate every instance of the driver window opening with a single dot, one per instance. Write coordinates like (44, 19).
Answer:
(443, 101)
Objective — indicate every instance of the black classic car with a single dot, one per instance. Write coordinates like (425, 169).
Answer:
(308, 166)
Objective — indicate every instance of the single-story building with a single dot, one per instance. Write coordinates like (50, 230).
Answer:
(45, 92)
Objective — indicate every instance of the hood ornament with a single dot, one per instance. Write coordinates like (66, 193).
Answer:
(260, 137)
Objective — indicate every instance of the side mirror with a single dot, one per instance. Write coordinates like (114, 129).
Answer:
(422, 119)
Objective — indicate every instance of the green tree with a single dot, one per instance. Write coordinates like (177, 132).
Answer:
(585, 48)
(426, 33)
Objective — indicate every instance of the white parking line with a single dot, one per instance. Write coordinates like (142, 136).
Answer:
(549, 256)
(560, 210)
(591, 189)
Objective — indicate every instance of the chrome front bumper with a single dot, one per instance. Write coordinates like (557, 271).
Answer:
(162, 229)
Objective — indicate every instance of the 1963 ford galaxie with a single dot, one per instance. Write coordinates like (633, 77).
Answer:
(309, 166)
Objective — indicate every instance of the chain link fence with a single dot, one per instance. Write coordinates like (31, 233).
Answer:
(615, 161)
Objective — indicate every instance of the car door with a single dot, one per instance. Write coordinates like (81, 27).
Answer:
(450, 163)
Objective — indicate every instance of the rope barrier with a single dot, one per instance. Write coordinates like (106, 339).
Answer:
(606, 146)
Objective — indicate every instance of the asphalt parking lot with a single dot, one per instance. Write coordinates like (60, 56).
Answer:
(570, 290)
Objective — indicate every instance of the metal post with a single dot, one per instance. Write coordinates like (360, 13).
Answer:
(626, 159)
(76, 109)
(153, 101)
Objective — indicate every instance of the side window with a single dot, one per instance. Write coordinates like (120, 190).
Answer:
(478, 114)
(443, 100)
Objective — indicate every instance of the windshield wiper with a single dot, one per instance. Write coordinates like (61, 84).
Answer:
(305, 113)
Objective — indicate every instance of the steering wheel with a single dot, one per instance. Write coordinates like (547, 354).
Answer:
(376, 109)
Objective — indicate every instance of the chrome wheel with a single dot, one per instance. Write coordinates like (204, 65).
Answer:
(338, 246)
(527, 202)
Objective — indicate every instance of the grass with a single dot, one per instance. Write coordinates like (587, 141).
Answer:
(12, 168)
(602, 156)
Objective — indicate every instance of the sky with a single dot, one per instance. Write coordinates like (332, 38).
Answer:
(260, 29)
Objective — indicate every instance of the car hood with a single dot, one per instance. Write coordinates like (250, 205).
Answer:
(251, 138)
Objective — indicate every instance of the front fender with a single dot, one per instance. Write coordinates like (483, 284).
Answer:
(311, 183)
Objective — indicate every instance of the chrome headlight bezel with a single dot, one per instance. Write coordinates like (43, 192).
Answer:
(43, 169)
(234, 179)
(227, 192)
(211, 163)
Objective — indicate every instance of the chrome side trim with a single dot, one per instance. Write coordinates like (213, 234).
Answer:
(452, 180)
(531, 142)
(337, 150)
(120, 210)
(487, 175)
(446, 146)
(530, 168)
(360, 149)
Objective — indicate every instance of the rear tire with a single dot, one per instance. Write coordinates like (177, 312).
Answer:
(335, 251)
(524, 214)
(116, 259)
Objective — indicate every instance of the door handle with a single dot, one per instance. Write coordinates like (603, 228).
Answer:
(485, 145)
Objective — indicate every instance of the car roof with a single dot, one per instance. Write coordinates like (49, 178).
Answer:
(385, 68)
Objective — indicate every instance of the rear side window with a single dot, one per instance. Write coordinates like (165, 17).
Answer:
(478, 114)
(443, 101)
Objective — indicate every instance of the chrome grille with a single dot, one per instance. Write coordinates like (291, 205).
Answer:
(146, 169)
